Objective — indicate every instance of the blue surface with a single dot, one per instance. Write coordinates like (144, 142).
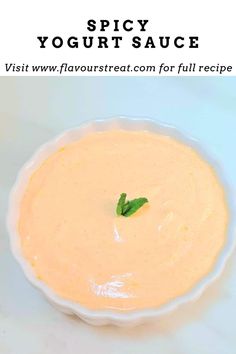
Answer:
(204, 107)
(33, 110)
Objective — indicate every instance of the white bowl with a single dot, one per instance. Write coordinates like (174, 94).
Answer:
(102, 317)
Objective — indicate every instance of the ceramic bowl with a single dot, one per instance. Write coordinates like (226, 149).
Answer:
(103, 317)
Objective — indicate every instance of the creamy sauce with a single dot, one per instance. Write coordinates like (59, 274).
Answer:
(77, 245)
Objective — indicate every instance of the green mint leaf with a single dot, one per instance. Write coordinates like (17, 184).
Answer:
(134, 205)
(130, 207)
(125, 207)
(121, 203)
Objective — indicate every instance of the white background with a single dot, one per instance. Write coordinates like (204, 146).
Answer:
(33, 110)
(212, 21)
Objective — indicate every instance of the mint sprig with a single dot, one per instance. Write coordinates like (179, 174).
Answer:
(127, 208)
